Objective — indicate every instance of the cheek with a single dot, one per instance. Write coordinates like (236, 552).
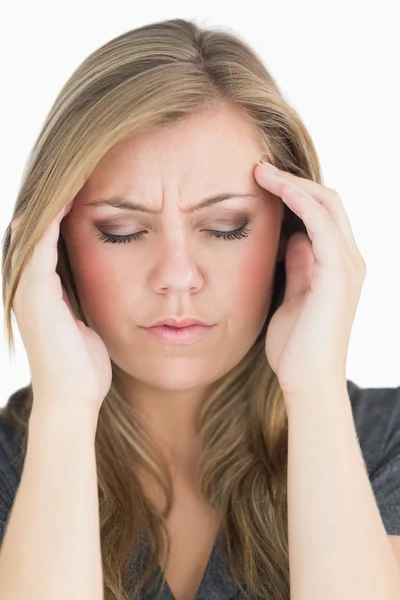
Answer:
(240, 283)
(99, 281)
(250, 279)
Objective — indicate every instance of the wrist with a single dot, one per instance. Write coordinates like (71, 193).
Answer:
(329, 396)
(63, 418)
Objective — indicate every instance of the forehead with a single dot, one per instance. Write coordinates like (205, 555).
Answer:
(206, 155)
(205, 145)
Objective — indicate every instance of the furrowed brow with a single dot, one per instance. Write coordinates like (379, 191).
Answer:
(119, 202)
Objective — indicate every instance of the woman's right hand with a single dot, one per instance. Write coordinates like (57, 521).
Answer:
(69, 362)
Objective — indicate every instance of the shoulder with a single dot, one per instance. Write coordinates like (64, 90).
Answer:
(376, 413)
(10, 461)
(10, 469)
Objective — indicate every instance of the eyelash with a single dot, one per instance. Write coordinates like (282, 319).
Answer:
(236, 234)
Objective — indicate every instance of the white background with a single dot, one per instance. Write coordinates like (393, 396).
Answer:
(337, 64)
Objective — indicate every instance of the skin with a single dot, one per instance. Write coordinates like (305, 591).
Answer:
(176, 268)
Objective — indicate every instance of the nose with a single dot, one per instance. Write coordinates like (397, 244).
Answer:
(177, 266)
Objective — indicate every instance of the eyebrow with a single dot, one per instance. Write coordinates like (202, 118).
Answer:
(121, 203)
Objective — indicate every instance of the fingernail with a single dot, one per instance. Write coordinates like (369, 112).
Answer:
(68, 208)
(268, 166)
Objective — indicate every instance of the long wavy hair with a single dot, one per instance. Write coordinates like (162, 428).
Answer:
(151, 77)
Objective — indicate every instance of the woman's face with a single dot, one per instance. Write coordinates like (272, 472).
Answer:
(176, 268)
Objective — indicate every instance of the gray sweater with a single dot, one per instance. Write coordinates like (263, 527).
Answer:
(376, 413)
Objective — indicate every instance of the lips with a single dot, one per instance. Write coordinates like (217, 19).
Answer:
(179, 335)
(175, 323)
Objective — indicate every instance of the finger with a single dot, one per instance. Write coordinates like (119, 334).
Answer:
(13, 232)
(45, 249)
(67, 301)
(45, 252)
(331, 201)
(299, 263)
(328, 246)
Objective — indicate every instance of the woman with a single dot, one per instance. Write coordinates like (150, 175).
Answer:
(186, 435)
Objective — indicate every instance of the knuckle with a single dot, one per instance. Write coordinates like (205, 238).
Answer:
(363, 268)
(15, 222)
(287, 188)
(334, 193)
(14, 226)
(335, 196)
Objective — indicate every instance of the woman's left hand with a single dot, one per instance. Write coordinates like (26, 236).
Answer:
(308, 336)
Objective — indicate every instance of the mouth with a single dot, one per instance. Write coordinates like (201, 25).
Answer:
(169, 334)
(173, 322)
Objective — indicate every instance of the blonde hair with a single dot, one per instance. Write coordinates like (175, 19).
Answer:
(147, 78)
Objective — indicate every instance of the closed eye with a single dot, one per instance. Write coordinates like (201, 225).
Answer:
(236, 234)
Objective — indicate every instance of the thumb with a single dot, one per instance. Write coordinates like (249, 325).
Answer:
(298, 264)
